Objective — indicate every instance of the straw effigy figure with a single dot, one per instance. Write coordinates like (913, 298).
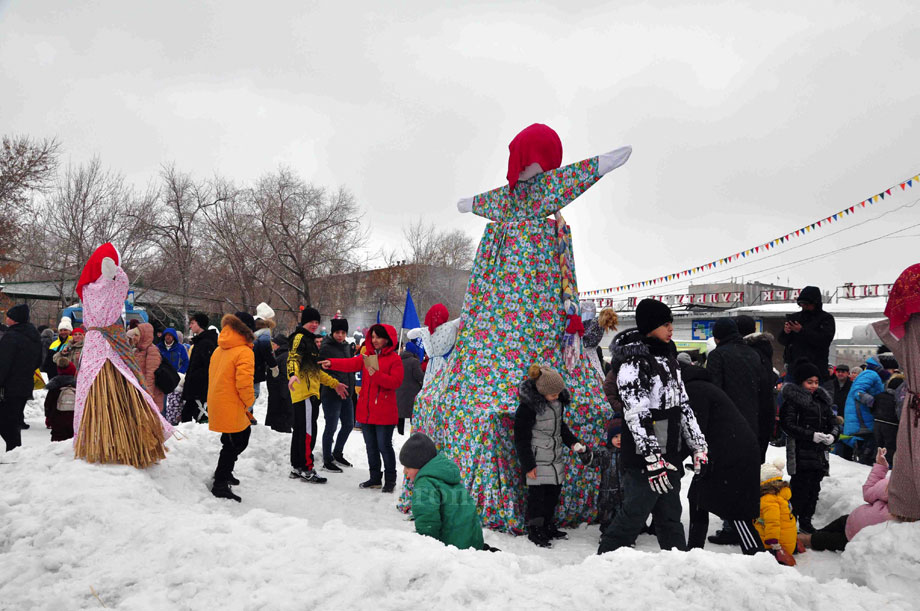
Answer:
(115, 418)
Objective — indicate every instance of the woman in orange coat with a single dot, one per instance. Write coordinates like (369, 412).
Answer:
(148, 359)
(376, 410)
(230, 399)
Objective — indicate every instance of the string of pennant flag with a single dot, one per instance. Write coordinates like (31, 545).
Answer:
(766, 246)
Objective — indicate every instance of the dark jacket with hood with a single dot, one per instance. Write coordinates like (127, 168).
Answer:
(196, 376)
(279, 415)
(801, 416)
(762, 343)
(331, 349)
(412, 383)
(656, 410)
(737, 369)
(540, 432)
(377, 401)
(176, 354)
(265, 360)
(814, 340)
(20, 356)
(730, 488)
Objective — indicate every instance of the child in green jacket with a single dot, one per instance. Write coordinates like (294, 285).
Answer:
(441, 505)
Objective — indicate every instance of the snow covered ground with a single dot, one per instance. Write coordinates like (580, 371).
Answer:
(80, 536)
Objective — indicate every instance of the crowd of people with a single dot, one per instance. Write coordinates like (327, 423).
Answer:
(666, 408)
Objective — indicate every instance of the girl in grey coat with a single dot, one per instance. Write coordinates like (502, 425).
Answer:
(539, 434)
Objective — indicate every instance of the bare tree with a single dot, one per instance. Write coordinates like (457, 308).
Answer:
(425, 244)
(175, 225)
(27, 167)
(306, 233)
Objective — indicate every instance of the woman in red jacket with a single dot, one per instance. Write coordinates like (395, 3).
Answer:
(376, 409)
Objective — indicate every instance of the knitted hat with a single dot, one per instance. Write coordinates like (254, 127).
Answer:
(746, 324)
(548, 380)
(887, 360)
(804, 369)
(263, 310)
(247, 319)
(19, 313)
(65, 324)
(723, 328)
(772, 471)
(280, 340)
(79, 330)
(684, 358)
(651, 314)
(417, 451)
(339, 324)
(309, 314)
(614, 428)
(202, 319)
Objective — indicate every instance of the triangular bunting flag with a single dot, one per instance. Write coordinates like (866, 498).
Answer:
(903, 186)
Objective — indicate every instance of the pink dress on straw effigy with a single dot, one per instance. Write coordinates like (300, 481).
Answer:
(103, 301)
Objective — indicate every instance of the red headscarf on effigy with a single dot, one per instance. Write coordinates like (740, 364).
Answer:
(93, 268)
(903, 300)
(535, 144)
(437, 315)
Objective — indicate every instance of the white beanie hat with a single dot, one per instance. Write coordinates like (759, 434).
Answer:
(770, 471)
(263, 310)
(65, 324)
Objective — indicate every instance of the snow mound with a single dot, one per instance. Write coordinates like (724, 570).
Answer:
(886, 558)
(77, 536)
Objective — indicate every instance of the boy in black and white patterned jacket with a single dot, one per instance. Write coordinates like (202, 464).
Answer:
(659, 423)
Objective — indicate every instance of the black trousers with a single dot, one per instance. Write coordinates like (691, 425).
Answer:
(748, 538)
(232, 445)
(314, 404)
(805, 490)
(541, 504)
(886, 436)
(12, 410)
(301, 440)
(639, 500)
(832, 537)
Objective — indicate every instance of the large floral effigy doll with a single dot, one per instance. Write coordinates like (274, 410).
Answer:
(115, 418)
(521, 308)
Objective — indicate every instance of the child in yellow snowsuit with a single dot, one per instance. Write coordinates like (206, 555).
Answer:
(776, 524)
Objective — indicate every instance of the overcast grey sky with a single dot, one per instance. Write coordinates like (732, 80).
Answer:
(748, 119)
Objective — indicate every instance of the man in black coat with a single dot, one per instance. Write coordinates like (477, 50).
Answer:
(808, 334)
(204, 342)
(762, 343)
(20, 356)
(730, 487)
(838, 387)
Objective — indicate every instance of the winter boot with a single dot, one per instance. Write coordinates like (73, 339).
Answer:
(230, 480)
(805, 525)
(389, 481)
(373, 482)
(222, 491)
(331, 467)
(726, 536)
(312, 477)
(553, 533)
(537, 533)
(342, 462)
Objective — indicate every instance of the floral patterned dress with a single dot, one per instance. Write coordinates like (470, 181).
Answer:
(438, 346)
(513, 317)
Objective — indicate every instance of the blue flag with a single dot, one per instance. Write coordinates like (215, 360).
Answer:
(410, 321)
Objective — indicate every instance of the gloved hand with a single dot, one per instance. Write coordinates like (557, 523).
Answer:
(612, 160)
(657, 469)
(700, 462)
(825, 438)
(465, 205)
(865, 398)
(586, 457)
(779, 553)
(578, 447)
(274, 371)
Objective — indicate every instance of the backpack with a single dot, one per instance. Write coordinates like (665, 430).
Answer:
(166, 377)
(66, 399)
